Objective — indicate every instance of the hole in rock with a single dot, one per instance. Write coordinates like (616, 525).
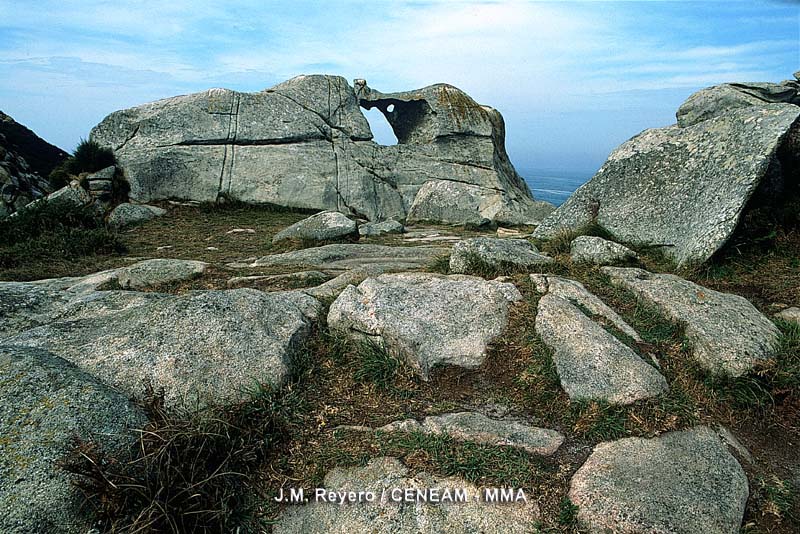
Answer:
(381, 129)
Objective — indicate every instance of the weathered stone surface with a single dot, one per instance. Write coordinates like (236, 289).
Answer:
(720, 99)
(728, 334)
(106, 174)
(348, 256)
(129, 214)
(323, 226)
(574, 292)
(424, 318)
(682, 483)
(591, 362)
(517, 254)
(155, 272)
(332, 288)
(298, 279)
(380, 228)
(383, 515)
(695, 182)
(203, 347)
(47, 403)
(305, 143)
(789, 314)
(73, 195)
(477, 428)
(460, 203)
(599, 251)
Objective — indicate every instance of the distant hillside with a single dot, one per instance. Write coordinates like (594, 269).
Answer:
(41, 156)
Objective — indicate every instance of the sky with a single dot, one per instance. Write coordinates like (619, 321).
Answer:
(572, 79)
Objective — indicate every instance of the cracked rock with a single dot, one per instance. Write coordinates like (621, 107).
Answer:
(426, 319)
(728, 335)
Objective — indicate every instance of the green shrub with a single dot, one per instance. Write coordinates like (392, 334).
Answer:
(48, 230)
(89, 156)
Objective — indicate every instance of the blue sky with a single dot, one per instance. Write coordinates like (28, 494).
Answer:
(573, 79)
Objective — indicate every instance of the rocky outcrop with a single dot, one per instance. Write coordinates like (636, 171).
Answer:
(720, 99)
(25, 163)
(47, 404)
(386, 479)
(323, 226)
(426, 319)
(471, 255)
(599, 251)
(686, 187)
(728, 335)
(304, 143)
(202, 347)
(682, 483)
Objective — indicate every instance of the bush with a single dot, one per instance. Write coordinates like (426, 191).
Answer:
(90, 157)
(54, 231)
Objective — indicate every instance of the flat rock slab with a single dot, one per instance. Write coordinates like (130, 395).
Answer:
(373, 229)
(427, 319)
(348, 256)
(381, 476)
(575, 293)
(131, 214)
(477, 428)
(323, 226)
(591, 362)
(599, 251)
(728, 334)
(47, 403)
(680, 483)
(298, 279)
(155, 272)
(517, 254)
(682, 188)
(204, 347)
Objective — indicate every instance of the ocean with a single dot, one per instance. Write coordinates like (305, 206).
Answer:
(554, 186)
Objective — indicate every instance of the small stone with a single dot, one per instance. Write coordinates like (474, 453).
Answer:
(515, 254)
(324, 226)
(599, 251)
(101, 185)
(241, 231)
(130, 214)
(791, 315)
(212, 248)
(381, 228)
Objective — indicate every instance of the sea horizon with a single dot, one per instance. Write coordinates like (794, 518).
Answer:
(554, 185)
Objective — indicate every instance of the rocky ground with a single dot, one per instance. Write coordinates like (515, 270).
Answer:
(613, 390)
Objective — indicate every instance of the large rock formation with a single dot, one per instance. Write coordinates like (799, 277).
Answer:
(686, 187)
(25, 162)
(305, 143)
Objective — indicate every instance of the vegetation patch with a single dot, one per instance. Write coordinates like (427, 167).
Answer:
(53, 233)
